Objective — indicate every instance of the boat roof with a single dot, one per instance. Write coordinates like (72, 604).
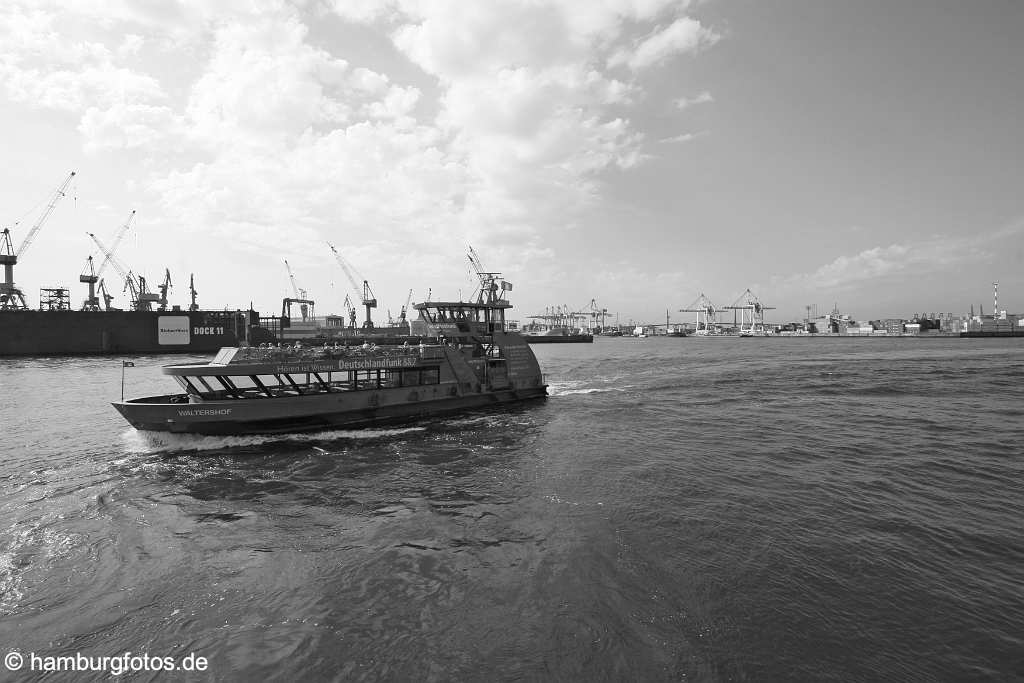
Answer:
(233, 360)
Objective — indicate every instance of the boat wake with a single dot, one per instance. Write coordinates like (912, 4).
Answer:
(573, 388)
(153, 443)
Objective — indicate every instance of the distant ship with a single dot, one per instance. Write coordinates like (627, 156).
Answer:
(558, 335)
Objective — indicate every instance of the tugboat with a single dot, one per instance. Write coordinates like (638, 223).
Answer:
(472, 361)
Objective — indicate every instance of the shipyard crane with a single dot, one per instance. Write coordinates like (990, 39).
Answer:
(368, 298)
(405, 308)
(132, 288)
(164, 286)
(126, 275)
(88, 276)
(10, 296)
(751, 311)
(121, 232)
(101, 287)
(92, 276)
(707, 321)
(351, 312)
(192, 292)
(300, 293)
(492, 287)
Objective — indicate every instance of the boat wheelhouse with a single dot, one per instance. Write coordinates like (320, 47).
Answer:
(471, 361)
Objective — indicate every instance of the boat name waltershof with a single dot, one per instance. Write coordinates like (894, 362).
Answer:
(356, 364)
(192, 412)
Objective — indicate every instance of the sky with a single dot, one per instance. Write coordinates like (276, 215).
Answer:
(635, 153)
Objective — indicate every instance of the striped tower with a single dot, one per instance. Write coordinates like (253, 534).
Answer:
(995, 300)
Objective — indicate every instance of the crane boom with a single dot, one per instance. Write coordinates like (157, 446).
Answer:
(122, 231)
(300, 293)
(125, 274)
(46, 214)
(368, 298)
(11, 297)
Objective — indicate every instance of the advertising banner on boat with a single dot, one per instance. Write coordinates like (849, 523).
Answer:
(349, 364)
(173, 330)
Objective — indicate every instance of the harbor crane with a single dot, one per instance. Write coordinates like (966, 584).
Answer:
(492, 287)
(707, 315)
(300, 293)
(405, 308)
(142, 299)
(351, 312)
(10, 296)
(164, 286)
(88, 276)
(369, 299)
(192, 292)
(594, 313)
(107, 298)
(751, 312)
(91, 276)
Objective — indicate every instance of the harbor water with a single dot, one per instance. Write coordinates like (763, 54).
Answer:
(677, 509)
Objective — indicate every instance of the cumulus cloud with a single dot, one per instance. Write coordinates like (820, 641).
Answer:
(882, 262)
(497, 118)
(685, 102)
(685, 34)
(677, 139)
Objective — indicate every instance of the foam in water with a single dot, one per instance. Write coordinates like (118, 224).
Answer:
(150, 443)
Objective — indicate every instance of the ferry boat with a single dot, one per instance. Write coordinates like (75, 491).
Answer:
(472, 361)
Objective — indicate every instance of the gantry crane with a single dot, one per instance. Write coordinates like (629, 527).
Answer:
(368, 298)
(707, 320)
(10, 296)
(751, 310)
(596, 315)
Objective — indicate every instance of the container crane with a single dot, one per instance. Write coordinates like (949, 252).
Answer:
(368, 298)
(751, 311)
(707, 315)
(10, 296)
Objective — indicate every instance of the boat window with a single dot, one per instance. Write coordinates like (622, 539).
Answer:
(431, 375)
(203, 381)
(262, 387)
(243, 382)
(228, 386)
(293, 384)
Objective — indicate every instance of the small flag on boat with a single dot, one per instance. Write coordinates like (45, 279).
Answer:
(127, 364)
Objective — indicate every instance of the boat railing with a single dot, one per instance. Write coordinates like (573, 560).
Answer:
(272, 353)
